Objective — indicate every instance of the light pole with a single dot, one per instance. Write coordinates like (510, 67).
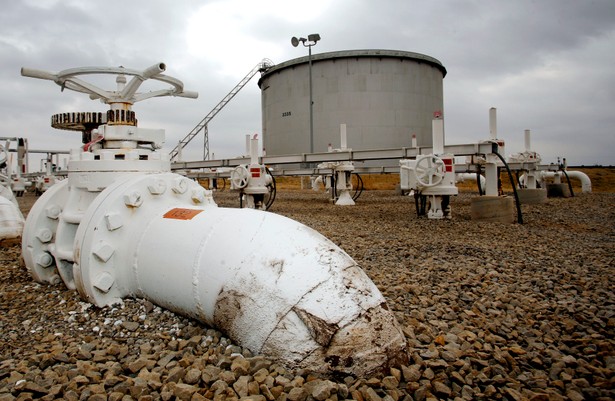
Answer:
(311, 41)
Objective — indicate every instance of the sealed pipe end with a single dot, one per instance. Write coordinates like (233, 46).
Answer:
(372, 343)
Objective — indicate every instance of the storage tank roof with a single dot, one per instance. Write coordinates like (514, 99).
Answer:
(356, 54)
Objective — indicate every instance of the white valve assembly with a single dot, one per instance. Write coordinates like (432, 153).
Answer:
(255, 184)
(431, 177)
(339, 182)
(122, 225)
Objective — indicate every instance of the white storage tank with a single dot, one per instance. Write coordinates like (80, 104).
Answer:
(383, 97)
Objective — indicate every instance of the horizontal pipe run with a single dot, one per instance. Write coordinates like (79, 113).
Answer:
(344, 155)
(461, 177)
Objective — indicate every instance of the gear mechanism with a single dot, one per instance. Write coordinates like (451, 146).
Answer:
(79, 121)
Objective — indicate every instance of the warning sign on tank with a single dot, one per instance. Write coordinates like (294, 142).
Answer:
(181, 214)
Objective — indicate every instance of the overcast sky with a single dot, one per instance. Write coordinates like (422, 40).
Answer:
(546, 65)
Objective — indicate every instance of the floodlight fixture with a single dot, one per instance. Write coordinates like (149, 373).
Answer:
(312, 39)
(295, 41)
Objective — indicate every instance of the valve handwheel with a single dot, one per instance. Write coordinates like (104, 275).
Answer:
(126, 91)
(239, 177)
(429, 171)
(120, 100)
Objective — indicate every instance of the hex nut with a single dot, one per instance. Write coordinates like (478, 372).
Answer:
(44, 235)
(113, 221)
(53, 212)
(158, 187)
(44, 260)
(133, 199)
(198, 195)
(103, 282)
(103, 252)
(180, 185)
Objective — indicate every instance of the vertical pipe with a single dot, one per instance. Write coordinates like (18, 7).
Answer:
(437, 132)
(493, 125)
(26, 165)
(248, 144)
(21, 150)
(253, 151)
(491, 179)
(528, 146)
(48, 164)
(9, 164)
(343, 143)
(414, 140)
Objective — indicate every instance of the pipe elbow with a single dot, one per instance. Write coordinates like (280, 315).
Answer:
(272, 284)
(586, 184)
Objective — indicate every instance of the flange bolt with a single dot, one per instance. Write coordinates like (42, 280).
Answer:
(53, 212)
(133, 199)
(158, 187)
(44, 260)
(180, 185)
(44, 235)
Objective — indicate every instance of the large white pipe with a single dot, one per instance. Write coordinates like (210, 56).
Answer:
(586, 184)
(11, 219)
(461, 177)
(272, 284)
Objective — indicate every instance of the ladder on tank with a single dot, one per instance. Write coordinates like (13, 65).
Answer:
(262, 66)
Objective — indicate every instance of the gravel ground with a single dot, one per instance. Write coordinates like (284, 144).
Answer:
(490, 311)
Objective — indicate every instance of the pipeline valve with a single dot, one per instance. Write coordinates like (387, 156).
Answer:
(255, 184)
(432, 180)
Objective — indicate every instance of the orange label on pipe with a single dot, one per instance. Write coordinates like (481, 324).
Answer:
(181, 214)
